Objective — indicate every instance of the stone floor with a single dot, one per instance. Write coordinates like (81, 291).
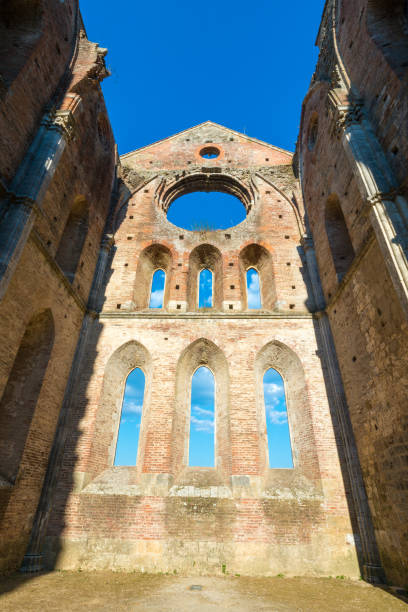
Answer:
(100, 591)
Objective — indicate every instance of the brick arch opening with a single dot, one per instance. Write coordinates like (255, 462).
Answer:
(20, 30)
(338, 236)
(258, 257)
(119, 365)
(202, 352)
(205, 256)
(152, 258)
(73, 238)
(284, 360)
(387, 23)
(22, 392)
(206, 182)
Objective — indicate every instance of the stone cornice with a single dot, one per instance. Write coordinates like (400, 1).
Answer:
(204, 316)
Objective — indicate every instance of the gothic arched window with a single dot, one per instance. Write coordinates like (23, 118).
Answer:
(205, 289)
(73, 238)
(277, 428)
(253, 289)
(130, 419)
(157, 289)
(337, 234)
(202, 435)
(23, 392)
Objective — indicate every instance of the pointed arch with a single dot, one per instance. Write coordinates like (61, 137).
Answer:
(201, 352)
(338, 236)
(73, 238)
(153, 258)
(284, 360)
(259, 258)
(23, 390)
(205, 256)
(122, 362)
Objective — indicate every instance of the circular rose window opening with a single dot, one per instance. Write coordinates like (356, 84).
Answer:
(210, 152)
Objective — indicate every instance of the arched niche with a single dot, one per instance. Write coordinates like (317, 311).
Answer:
(22, 392)
(202, 352)
(73, 238)
(284, 360)
(204, 257)
(257, 257)
(338, 236)
(126, 358)
(387, 23)
(152, 258)
(20, 30)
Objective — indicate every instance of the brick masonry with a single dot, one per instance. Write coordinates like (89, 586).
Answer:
(359, 106)
(162, 515)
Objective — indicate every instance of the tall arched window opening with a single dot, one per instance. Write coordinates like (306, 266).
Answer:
(73, 238)
(202, 419)
(157, 289)
(153, 277)
(205, 289)
(337, 234)
(253, 289)
(22, 393)
(256, 261)
(277, 428)
(130, 419)
(204, 283)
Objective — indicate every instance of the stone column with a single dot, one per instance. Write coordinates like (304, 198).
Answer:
(387, 210)
(100, 270)
(372, 569)
(25, 195)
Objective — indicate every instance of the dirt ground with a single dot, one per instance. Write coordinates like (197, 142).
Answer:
(100, 591)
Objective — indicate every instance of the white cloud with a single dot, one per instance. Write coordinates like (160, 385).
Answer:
(205, 425)
(276, 417)
(202, 411)
(272, 390)
(131, 407)
(156, 298)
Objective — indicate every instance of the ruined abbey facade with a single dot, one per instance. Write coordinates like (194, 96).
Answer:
(82, 233)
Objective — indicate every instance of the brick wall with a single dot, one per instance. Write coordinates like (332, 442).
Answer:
(357, 98)
(34, 220)
(162, 515)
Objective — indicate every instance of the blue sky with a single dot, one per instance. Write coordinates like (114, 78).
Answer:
(279, 446)
(202, 420)
(206, 211)
(205, 289)
(246, 65)
(129, 428)
(157, 289)
(253, 289)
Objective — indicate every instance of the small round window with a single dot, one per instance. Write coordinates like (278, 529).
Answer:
(210, 152)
